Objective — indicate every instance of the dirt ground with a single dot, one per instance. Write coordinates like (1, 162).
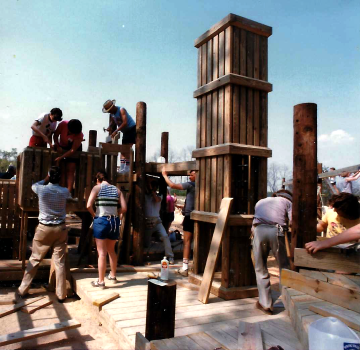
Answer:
(89, 336)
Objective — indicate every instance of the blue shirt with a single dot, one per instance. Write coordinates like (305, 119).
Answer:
(52, 202)
(118, 119)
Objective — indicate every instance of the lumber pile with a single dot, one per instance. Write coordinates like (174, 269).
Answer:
(310, 294)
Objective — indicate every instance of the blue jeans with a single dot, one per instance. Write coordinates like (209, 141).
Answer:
(106, 227)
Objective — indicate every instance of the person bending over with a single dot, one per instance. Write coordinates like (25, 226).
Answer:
(153, 223)
(68, 138)
(188, 224)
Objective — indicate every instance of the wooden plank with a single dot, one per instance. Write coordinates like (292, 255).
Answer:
(314, 274)
(337, 295)
(81, 187)
(89, 176)
(206, 341)
(249, 337)
(141, 343)
(38, 332)
(181, 168)
(106, 299)
(231, 78)
(24, 238)
(18, 306)
(109, 148)
(213, 207)
(327, 261)
(350, 169)
(210, 217)
(233, 20)
(232, 148)
(224, 338)
(341, 280)
(11, 211)
(30, 309)
(350, 318)
(220, 227)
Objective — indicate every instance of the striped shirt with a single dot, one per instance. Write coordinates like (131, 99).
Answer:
(107, 201)
(52, 202)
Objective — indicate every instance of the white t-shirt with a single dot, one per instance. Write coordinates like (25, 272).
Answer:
(46, 126)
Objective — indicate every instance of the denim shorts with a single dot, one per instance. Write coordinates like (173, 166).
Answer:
(106, 227)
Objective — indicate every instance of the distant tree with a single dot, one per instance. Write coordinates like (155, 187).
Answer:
(276, 172)
(7, 158)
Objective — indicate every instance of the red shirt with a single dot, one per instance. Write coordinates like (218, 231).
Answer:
(170, 204)
(65, 138)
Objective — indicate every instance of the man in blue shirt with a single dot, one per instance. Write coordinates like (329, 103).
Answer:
(120, 120)
(50, 233)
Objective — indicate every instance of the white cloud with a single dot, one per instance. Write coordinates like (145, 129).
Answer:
(337, 137)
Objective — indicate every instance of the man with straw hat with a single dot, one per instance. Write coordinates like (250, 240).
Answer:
(120, 120)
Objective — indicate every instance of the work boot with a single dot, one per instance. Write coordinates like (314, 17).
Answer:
(264, 310)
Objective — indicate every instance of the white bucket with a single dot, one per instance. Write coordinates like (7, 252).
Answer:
(329, 333)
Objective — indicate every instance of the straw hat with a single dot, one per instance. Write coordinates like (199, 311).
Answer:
(108, 105)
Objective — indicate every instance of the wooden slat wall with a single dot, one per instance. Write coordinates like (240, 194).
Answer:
(34, 166)
(8, 218)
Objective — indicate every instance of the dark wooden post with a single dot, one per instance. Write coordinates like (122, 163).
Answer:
(160, 313)
(282, 183)
(165, 146)
(140, 159)
(304, 175)
(92, 138)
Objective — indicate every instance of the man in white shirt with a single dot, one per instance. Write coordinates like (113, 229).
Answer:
(44, 127)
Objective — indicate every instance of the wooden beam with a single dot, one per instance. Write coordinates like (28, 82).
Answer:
(180, 168)
(344, 297)
(109, 148)
(236, 79)
(18, 306)
(232, 148)
(105, 299)
(249, 337)
(30, 309)
(234, 220)
(350, 169)
(220, 228)
(350, 318)
(139, 193)
(38, 332)
(328, 260)
(304, 210)
(141, 343)
(237, 21)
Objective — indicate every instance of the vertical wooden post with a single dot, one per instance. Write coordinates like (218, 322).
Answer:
(140, 159)
(24, 241)
(160, 313)
(165, 146)
(304, 175)
(92, 138)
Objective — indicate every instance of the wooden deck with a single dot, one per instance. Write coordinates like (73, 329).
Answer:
(126, 315)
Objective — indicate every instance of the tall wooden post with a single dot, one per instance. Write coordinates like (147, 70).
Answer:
(165, 146)
(92, 138)
(304, 175)
(139, 197)
(232, 138)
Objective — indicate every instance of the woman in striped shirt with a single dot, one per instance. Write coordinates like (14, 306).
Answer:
(110, 203)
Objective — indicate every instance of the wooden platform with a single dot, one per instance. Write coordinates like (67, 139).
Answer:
(126, 315)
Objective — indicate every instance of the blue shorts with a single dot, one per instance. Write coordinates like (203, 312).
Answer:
(106, 227)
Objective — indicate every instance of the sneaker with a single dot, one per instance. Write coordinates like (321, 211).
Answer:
(98, 284)
(171, 260)
(108, 277)
(182, 272)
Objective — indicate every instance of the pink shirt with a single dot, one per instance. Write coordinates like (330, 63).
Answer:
(64, 137)
(170, 204)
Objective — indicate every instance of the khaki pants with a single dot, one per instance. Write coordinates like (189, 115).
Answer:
(266, 238)
(47, 237)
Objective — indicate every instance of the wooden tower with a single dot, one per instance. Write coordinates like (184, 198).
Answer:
(231, 154)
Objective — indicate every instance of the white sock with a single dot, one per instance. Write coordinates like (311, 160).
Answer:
(185, 264)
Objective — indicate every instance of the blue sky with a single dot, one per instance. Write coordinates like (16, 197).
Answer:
(77, 54)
